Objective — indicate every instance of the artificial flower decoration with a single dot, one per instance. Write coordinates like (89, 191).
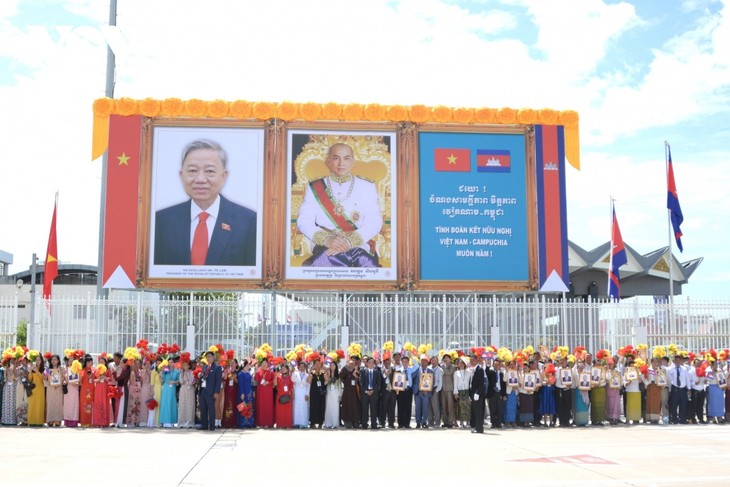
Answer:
(33, 354)
(47, 355)
(528, 350)
(354, 350)
(673, 350)
(659, 352)
(550, 372)
(100, 370)
(151, 404)
(76, 367)
(388, 346)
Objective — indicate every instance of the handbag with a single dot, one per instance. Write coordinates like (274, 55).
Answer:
(284, 398)
(65, 388)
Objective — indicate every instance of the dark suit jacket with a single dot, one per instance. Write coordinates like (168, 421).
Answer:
(478, 385)
(233, 241)
(365, 380)
(212, 380)
(492, 381)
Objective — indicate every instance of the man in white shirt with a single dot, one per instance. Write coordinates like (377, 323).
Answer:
(697, 391)
(679, 378)
(434, 411)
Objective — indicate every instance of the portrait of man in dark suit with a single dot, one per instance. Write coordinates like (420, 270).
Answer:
(207, 229)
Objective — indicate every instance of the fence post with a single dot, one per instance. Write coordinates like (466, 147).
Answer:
(590, 345)
(542, 323)
(443, 323)
(345, 332)
(396, 311)
(139, 313)
(494, 332)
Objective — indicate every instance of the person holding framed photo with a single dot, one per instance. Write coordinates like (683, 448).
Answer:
(613, 393)
(423, 383)
(564, 388)
(633, 393)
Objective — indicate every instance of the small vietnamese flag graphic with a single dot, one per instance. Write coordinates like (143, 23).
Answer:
(50, 270)
(493, 161)
(457, 160)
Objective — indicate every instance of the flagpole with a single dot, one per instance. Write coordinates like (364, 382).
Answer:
(669, 238)
(610, 247)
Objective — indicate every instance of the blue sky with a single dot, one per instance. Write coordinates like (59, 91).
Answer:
(639, 73)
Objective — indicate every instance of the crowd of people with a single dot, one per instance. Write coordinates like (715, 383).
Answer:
(405, 388)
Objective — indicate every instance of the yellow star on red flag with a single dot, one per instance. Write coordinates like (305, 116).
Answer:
(452, 159)
(123, 159)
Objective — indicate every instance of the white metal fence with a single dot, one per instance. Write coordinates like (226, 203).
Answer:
(328, 321)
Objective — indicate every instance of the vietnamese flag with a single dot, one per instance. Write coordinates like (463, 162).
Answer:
(50, 270)
(456, 160)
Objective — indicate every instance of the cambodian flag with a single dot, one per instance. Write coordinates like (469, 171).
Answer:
(618, 258)
(675, 211)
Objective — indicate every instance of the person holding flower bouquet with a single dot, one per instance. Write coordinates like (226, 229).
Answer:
(230, 394)
(170, 378)
(264, 382)
(86, 399)
(21, 396)
(186, 406)
(101, 416)
(133, 400)
(37, 400)
(71, 398)
(284, 390)
(244, 407)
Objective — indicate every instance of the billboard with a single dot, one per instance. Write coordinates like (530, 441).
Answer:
(239, 195)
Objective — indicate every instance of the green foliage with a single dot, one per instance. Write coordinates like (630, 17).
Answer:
(22, 333)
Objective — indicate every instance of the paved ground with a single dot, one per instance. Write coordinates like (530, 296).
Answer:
(626, 456)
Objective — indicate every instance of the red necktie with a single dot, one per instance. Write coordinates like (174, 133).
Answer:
(200, 241)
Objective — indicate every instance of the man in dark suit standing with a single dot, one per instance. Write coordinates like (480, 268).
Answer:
(477, 393)
(494, 398)
(210, 384)
(371, 380)
(208, 229)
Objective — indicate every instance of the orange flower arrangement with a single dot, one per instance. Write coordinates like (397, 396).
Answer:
(241, 109)
(103, 106)
(568, 118)
(126, 106)
(441, 114)
(172, 107)
(485, 115)
(396, 113)
(310, 111)
(150, 107)
(547, 116)
(419, 113)
(526, 116)
(506, 115)
(331, 111)
(352, 112)
(463, 115)
(287, 110)
(264, 110)
(195, 108)
(374, 112)
(217, 109)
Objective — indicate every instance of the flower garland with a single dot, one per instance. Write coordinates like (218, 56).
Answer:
(288, 110)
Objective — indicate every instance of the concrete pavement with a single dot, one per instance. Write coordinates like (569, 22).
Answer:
(643, 455)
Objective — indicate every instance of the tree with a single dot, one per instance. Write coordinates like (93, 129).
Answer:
(22, 333)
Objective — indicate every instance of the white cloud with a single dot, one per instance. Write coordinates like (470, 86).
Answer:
(405, 52)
